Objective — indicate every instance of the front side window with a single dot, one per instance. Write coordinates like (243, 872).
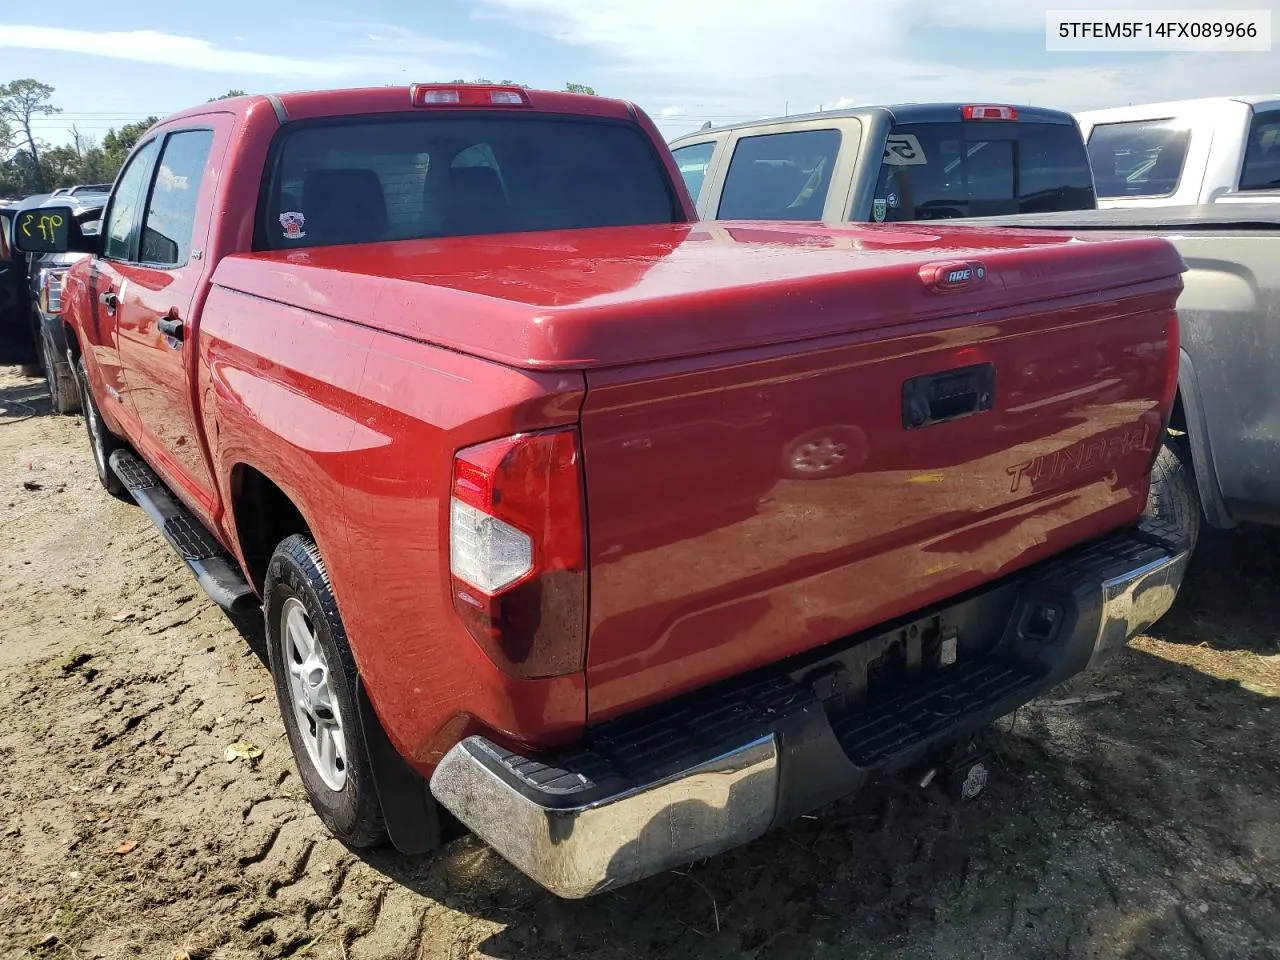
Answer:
(353, 180)
(692, 162)
(126, 206)
(1138, 158)
(171, 214)
(780, 176)
(1261, 169)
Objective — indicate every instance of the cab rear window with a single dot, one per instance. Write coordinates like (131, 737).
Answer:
(1138, 158)
(355, 180)
(935, 171)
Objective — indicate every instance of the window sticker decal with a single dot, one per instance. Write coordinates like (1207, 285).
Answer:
(903, 149)
(293, 222)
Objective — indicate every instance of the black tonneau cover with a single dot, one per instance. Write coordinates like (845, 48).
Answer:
(1200, 216)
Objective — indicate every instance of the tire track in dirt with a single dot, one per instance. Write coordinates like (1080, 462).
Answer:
(1144, 825)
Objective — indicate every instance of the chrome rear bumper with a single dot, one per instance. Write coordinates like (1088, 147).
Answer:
(721, 768)
(579, 850)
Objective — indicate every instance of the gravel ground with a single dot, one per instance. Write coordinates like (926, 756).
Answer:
(1134, 812)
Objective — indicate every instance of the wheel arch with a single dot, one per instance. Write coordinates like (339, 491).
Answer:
(263, 513)
(1188, 417)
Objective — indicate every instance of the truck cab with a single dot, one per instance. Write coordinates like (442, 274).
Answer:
(1183, 152)
(888, 164)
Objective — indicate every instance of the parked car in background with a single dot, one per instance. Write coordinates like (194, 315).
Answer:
(1184, 152)
(82, 189)
(45, 274)
(889, 163)
(1227, 410)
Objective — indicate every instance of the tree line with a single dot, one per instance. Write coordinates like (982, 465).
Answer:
(28, 164)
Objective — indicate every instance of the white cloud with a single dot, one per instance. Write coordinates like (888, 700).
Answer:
(149, 46)
(671, 111)
(169, 180)
(728, 60)
(395, 49)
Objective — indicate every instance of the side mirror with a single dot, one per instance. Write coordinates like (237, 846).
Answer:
(43, 230)
(56, 230)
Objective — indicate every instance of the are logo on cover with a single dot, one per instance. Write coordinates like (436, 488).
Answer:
(940, 277)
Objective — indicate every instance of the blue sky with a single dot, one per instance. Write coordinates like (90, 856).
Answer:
(684, 61)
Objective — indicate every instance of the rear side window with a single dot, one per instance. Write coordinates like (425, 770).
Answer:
(1261, 169)
(356, 181)
(780, 176)
(936, 171)
(692, 161)
(171, 214)
(1138, 158)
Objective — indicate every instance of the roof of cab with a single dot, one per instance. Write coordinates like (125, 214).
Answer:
(312, 104)
(897, 112)
(1138, 111)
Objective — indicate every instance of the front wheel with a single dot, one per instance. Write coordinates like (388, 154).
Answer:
(315, 681)
(101, 440)
(64, 390)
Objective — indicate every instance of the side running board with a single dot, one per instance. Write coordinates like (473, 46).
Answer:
(215, 570)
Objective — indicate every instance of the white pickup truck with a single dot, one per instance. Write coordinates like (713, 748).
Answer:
(1214, 149)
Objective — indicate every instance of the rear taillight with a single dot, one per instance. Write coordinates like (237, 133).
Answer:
(517, 551)
(51, 291)
(988, 112)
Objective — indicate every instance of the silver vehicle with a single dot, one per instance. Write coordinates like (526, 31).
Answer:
(1185, 151)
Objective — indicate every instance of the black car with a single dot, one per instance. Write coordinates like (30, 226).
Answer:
(31, 328)
(16, 342)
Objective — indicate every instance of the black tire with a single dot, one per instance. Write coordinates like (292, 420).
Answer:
(64, 391)
(296, 572)
(1173, 505)
(102, 442)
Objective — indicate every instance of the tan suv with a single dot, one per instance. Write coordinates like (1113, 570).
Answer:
(889, 163)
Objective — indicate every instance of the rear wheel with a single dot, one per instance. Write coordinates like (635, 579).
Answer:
(1173, 504)
(315, 681)
(101, 440)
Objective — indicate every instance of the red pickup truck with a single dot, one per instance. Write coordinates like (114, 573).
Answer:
(619, 536)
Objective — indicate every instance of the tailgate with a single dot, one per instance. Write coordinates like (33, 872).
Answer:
(747, 506)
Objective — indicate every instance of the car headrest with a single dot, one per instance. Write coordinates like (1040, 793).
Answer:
(344, 206)
(475, 202)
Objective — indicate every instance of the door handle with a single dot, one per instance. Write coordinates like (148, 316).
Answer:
(109, 300)
(171, 325)
(948, 395)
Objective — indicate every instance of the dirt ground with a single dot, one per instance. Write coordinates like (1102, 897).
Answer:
(1133, 813)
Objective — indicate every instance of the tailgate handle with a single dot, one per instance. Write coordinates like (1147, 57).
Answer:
(948, 395)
